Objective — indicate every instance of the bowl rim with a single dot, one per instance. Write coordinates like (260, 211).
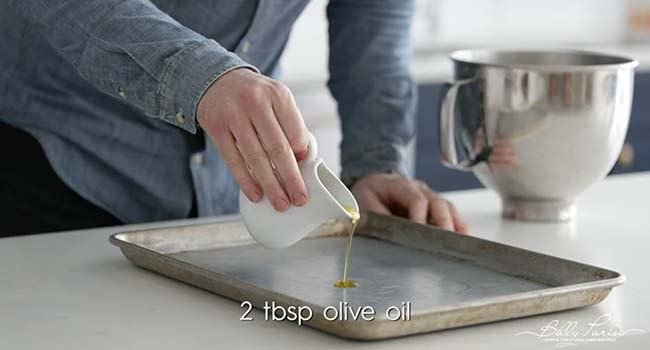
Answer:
(619, 62)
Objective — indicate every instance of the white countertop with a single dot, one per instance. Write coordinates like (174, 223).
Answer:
(74, 290)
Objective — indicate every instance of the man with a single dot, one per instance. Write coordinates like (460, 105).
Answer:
(122, 111)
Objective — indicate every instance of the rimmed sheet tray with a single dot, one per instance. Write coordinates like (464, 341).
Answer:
(448, 279)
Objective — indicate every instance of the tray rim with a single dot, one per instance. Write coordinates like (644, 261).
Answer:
(249, 290)
(604, 283)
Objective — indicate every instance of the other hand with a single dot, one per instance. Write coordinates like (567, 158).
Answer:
(395, 194)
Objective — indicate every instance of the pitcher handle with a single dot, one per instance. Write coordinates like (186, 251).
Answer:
(312, 148)
(448, 128)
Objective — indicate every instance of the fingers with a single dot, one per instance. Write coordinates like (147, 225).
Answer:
(255, 156)
(442, 213)
(503, 155)
(232, 158)
(279, 151)
(368, 201)
(459, 224)
(392, 194)
(290, 120)
(238, 111)
(409, 196)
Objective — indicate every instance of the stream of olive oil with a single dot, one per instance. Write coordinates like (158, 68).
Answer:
(345, 282)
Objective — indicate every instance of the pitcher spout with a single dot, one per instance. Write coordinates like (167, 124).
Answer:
(343, 203)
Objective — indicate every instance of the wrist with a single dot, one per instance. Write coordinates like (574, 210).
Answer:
(211, 92)
(360, 157)
(350, 181)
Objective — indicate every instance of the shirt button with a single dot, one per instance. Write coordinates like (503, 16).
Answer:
(180, 118)
(245, 46)
(197, 158)
(122, 93)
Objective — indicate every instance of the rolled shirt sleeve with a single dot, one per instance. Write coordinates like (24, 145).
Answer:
(370, 80)
(133, 51)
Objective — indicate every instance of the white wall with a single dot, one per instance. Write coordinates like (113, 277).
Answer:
(462, 23)
(444, 24)
(439, 26)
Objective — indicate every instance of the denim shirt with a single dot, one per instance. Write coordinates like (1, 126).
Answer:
(110, 89)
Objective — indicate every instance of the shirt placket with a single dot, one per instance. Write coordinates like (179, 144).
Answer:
(214, 198)
(247, 41)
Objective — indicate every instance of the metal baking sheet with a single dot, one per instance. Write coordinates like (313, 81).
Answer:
(450, 280)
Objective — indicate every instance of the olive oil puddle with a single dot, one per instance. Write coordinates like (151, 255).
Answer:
(345, 282)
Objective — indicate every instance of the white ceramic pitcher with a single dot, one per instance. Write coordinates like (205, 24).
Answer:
(326, 197)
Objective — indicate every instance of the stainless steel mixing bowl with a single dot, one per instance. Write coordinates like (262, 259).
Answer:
(563, 114)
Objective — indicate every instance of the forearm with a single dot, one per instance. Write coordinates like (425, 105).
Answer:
(377, 126)
(370, 80)
(133, 51)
